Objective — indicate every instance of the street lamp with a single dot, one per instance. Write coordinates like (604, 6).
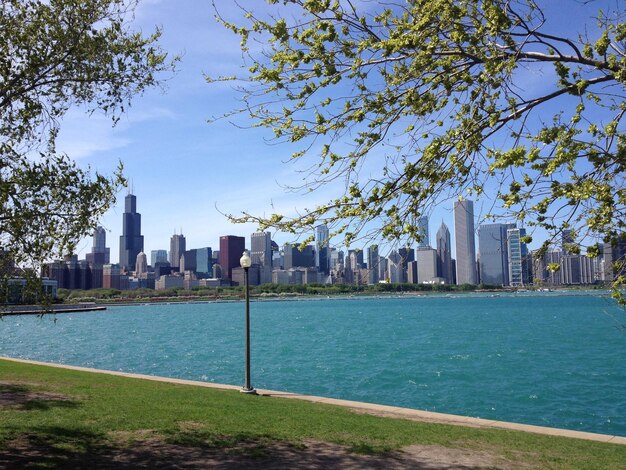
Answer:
(246, 262)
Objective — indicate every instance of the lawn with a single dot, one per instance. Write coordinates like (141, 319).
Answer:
(58, 418)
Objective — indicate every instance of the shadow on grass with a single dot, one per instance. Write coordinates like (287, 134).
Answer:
(71, 448)
(23, 397)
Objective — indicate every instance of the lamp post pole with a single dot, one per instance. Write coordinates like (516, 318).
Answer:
(245, 264)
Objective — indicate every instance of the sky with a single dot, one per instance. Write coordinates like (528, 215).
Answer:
(185, 171)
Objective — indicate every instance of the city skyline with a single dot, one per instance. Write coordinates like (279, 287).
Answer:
(188, 173)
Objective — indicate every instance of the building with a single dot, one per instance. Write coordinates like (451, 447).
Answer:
(422, 229)
(515, 259)
(131, 240)
(322, 249)
(100, 254)
(178, 245)
(261, 248)
(188, 261)
(426, 265)
(494, 257)
(296, 258)
(141, 265)
(444, 254)
(231, 249)
(406, 256)
(372, 265)
(204, 262)
(465, 244)
(158, 256)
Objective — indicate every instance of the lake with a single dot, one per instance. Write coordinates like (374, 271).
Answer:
(548, 359)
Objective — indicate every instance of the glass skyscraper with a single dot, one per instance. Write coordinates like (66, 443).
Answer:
(131, 240)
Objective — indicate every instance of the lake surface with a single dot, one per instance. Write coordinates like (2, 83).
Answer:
(545, 359)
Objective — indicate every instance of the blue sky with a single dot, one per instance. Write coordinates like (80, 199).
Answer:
(181, 167)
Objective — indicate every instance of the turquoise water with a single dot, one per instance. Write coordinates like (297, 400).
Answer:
(540, 359)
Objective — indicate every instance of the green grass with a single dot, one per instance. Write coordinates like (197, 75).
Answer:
(82, 413)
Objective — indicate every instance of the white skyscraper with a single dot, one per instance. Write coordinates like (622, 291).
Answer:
(464, 242)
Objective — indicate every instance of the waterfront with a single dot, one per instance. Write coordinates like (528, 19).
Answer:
(541, 359)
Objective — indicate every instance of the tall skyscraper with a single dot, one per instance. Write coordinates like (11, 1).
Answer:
(494, 256)
(444, 254)
(372, 265)
(100, 254)
(131, 240)
(406, 256)
(322, 249)
(178, 245)
(515, 257)
(231, 249)
(261, 248)
(141, 264)
(464, 242)
(158, 256)
(422, 225)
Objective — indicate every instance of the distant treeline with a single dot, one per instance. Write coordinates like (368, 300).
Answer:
(263, 290)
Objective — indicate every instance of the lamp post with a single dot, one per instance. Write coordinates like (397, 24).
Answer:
(246, 262)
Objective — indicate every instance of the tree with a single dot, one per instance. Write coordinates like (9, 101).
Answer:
(55, 55)
(409, 103)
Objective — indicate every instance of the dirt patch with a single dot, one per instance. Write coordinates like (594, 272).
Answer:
(31, 451)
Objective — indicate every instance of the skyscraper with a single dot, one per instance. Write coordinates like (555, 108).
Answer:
(141, 264)
(100, 254)
(131, 240)
(465, 244)
(444, 254)
(178, 245)
(231, 249)
(422, 228)
(515, 257)
(158, 256)
(261, 248)
(372, 265)
(494, 257)
(322, 249)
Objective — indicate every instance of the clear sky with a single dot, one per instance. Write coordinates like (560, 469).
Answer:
(183, 169)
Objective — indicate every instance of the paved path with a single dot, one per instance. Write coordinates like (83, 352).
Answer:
(381, 410)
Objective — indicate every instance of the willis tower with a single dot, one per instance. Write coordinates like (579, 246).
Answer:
(131, 241)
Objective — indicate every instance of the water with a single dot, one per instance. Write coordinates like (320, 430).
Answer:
(539, 359)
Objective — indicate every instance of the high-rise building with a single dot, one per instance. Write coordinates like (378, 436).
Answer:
(515, 257)
(406, 256)
(426, 265)
(494, 256)
(422, 228)
(231, 249)
(465, 244)
(188, 261)
(444, 254)
(178, 245)
(100, 254)
(261, 248)
(141, 264)
(296, 258)
(372, 265)
(204, 262)
(131, 240)
(158, 256)
(322, 249)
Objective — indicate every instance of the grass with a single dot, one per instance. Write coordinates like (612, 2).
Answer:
(70, 412)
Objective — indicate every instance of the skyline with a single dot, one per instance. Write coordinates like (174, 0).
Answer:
(186, 171)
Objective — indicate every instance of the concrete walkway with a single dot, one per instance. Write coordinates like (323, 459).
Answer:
(369, 408)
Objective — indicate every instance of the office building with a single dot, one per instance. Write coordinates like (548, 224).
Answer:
(296, 258)
(158, 256)
(406, 256)
(426, 265)
(465, 244)
(141, 264)
(131, 240)
(322, 249)
(372, 265)
(261, 248)
(494, 256)
(231, 249)
(100, 254)
(514, 257)
(178, 245)
(444, 254)
(422, 229)
(204, 262)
